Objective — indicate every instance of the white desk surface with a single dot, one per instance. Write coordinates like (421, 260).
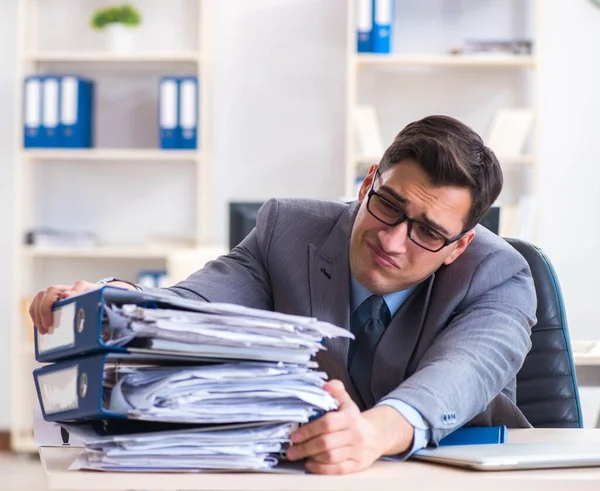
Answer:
(383, 476)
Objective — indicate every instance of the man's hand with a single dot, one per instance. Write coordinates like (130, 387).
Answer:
(40, 309)
(347, 440)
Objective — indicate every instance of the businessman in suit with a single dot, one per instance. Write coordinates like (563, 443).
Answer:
(441, 308)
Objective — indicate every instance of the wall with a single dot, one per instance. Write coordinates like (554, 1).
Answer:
(7, 146)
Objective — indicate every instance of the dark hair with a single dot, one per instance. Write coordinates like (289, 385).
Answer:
(451, 154)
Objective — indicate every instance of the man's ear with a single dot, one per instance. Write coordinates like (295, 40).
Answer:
(459, 247)
(366, 184)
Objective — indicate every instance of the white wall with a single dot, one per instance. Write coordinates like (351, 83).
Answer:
(569, 77)
(7, 146)
(279, 129)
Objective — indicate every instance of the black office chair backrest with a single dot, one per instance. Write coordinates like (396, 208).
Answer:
(546, 384)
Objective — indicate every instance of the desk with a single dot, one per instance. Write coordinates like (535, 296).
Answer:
(383, 476)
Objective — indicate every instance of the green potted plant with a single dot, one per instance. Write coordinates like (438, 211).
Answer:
(118, 22)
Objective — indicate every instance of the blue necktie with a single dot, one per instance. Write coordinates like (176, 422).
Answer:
(367, 338)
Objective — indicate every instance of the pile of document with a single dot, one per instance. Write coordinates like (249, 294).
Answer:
(180, 385)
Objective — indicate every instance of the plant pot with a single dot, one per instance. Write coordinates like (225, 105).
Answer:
(120, 38)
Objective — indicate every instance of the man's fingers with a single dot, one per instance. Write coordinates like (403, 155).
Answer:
(322, 444)
(33, 312)
(336, 389)
(329, 423)
(44, 306)
(335, 456)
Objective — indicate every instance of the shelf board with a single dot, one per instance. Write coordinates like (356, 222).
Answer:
(108, 57)
(100, 252)
(496, 61)
(105, 154)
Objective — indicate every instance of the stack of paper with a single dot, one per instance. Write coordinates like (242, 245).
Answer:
(240, 447)
(214, 386)
(219, 331)
(223, 393)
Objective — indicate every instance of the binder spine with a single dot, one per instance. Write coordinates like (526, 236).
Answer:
(364, 25)
(32, 112)
(77, 101)
(381, 38)
(50, 111)
(71, 390)
(188, 112)
(168, 117)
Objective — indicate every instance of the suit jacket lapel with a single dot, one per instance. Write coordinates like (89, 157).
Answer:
(399, 340)
(329, 275)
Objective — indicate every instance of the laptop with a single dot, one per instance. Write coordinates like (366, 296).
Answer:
(511, 456)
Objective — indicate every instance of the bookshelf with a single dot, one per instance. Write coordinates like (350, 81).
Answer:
(127, 141)
(420, 77)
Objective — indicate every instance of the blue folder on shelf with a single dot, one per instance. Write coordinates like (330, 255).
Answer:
(168, 113)
(188, 112)
(32, 112)
(383, 17)
(76, 112)
(364, 25)
(50, 127)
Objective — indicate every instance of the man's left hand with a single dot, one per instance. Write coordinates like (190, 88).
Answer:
(341, 441)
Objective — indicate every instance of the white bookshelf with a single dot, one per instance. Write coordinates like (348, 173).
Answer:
(35, 55)
(421, 76)
(100, 57)
(466, 61)
(109, 154)
(98, 252)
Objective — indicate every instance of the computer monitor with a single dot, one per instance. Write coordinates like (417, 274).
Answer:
(242, 219)
(492, 220)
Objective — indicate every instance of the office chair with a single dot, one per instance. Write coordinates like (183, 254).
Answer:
(546, 384)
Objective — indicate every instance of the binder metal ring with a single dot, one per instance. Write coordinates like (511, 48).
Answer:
(80, 320)
(83, 385)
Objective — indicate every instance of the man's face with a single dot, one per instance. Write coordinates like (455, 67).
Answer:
(383, 258)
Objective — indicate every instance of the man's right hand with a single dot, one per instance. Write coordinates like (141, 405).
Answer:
(40, 309)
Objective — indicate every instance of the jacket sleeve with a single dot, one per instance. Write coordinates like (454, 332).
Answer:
(239, 277)
(479, 352)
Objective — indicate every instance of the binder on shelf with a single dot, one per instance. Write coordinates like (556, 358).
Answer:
(364, 25)
(50, 137)
(168, 113)
(32, 112)
(76, 112)
(188, 112)
(381, 37)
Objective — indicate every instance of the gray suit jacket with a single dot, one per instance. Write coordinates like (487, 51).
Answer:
(452, 350)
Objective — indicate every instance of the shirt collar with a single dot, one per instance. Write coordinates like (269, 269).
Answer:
(359, 294)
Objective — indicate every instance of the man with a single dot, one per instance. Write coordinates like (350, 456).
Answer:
(441, 309)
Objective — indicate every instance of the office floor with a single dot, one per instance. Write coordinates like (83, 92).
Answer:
(21, 473)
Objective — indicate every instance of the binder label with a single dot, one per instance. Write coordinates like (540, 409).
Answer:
(59, 390)
(383, 12)
(188, 105)
(364, 15)
(168, 104)
(68, 110)
(50, 114)
(32, 103)
(62, 332)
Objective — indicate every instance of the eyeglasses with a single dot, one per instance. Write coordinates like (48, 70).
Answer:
(389, 214)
